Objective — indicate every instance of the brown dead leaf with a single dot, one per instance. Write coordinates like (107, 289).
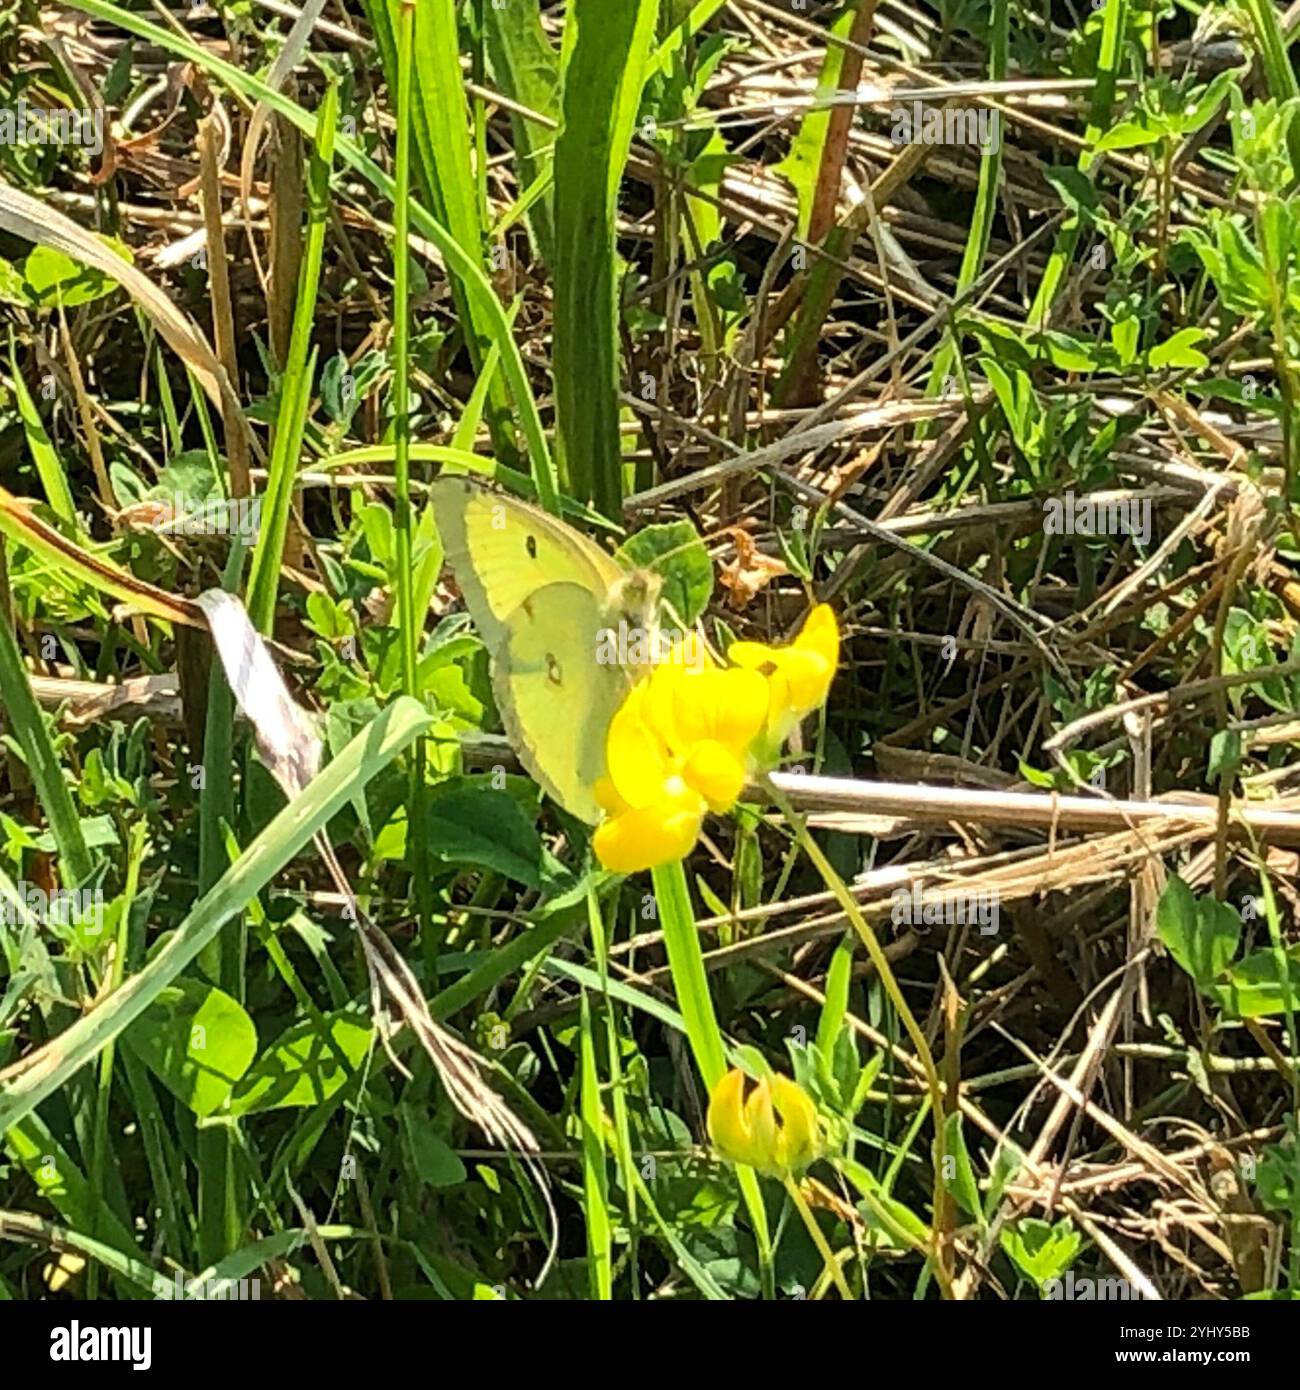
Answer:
(745, 577)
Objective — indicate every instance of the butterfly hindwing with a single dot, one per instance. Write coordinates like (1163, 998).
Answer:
(556, 698)
(540, 594)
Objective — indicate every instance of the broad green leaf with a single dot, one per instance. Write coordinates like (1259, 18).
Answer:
(1180, 351)
(301, 1067)
(1256, 988)
(197, 1040)
(432, 1158)
(53, 278)
(1130, 135)
(479, 827)
(1041, 1251)
(1202, 934)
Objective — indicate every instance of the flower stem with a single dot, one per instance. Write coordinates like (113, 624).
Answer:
(848, 903)
(691, 985)
(818, 1239)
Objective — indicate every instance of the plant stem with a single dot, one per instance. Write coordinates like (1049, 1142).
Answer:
(409, 621)
(818, 1239)
(886, 975)
(691, 984)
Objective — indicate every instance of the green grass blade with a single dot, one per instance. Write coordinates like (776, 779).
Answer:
(527, 69)
(295, 384)
(367, 754)
(595, 1175)
(605, 51)
(1103, 102)
(442, 156)
(49, 466)
(29, 727)
(986, 197)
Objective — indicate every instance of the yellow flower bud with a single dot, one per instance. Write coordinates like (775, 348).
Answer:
(774, 1130)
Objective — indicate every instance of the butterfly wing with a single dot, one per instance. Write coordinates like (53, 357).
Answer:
(540, 595)
(556, 699)
(502, 551)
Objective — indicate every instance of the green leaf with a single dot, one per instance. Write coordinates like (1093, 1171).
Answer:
(432, 1158)
(1225, 754)
(1039, 1250)
(675, 551)
(959, 1175)
(479, 827)
(1180, 351)
(1202, 934)
(13, 288)
(1130, 135)
(1256, 988)
(885, 1214)
(1125, 335)
(197, 1040)
(55, 278)
(301, 1067)
(1276, 1176)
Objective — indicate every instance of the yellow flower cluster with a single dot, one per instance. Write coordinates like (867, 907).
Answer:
(689, 733)
(774, 1130)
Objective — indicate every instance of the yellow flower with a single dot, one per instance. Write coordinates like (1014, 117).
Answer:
(679, 743)
(774, 1130)
(799, 676)
(685, 739)
(634, 838)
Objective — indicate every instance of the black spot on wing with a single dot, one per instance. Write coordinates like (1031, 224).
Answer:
(530, 545)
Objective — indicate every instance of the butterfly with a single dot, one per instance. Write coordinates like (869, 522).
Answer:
(545, 598)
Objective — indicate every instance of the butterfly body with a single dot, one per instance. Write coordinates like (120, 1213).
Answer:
(541, 594)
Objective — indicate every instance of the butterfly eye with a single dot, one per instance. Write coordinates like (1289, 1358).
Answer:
(531, 546)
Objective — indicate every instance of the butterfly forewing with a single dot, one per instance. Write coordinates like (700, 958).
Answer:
(541, 595)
